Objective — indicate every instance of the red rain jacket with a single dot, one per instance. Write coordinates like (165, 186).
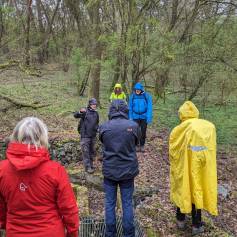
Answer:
(36, 198)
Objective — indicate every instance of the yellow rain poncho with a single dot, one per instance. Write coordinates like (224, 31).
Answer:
(120, 96)
(192, 152)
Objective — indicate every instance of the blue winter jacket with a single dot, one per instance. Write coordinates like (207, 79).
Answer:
(140, 106)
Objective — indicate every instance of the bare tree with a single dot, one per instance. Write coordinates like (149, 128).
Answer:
(1, 21)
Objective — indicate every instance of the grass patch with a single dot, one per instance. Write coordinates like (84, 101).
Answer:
(224, 118)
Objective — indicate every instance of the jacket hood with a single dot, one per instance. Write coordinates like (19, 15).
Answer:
(138, 86)
(24, 156)
(188, 110)
(118, 108)
(118, 86)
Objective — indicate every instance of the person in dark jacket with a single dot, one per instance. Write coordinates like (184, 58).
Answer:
(87, 127)
(119, 137)
(140, 110)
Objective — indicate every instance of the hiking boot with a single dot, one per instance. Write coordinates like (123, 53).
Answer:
(90, 170)
(138, 149)
(181, 225)
(197, 230)
(142, 149)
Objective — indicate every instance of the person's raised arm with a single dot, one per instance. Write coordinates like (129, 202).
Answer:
(80, 114)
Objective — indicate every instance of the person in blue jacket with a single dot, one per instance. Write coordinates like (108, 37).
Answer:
(140, 111)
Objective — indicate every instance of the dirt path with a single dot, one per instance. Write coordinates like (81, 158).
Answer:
(156, 213)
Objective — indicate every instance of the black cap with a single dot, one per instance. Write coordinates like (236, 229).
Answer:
(92, 101)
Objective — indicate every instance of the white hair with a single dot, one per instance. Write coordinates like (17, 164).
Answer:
(32, 131)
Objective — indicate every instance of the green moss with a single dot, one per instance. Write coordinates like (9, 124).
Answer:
(152, 233)
(81, 194)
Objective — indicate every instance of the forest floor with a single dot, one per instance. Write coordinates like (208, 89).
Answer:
(156, 213)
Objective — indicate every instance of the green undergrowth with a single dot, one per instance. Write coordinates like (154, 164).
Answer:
(59, 92)
(224, 118)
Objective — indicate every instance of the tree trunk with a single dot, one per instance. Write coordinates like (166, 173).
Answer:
(117, 70)
(73, 6)
(96, 51)
(161, 82)
(136, 58)
(174, 15)
(183, 82)
(49, 31)
(124, 60)
(1, 23)
(184, 37)
(27, 41)
(95, 73)
(203, 78)
(41, 53)
(136, 54)
(84, 82)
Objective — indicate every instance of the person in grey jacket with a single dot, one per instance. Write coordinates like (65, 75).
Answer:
(87, 128)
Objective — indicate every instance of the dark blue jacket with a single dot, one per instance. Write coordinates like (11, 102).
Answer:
(140, 106)
(119, 137)
(88, 124)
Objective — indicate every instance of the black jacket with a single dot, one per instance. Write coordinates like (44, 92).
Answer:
(119, 137)
(88, 124)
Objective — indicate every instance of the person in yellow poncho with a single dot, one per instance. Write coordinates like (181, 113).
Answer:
(118, 93)
(193, 174)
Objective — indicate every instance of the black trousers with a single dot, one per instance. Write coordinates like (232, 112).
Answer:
(143, 126)
(196, 216)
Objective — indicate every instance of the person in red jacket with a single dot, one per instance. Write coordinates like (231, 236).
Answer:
(36, 197)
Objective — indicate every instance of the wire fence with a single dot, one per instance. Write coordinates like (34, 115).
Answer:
(90, 227)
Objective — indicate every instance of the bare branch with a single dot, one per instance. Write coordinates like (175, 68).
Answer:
(222, 2)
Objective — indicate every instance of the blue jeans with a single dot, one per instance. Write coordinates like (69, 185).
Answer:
(126, 190)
